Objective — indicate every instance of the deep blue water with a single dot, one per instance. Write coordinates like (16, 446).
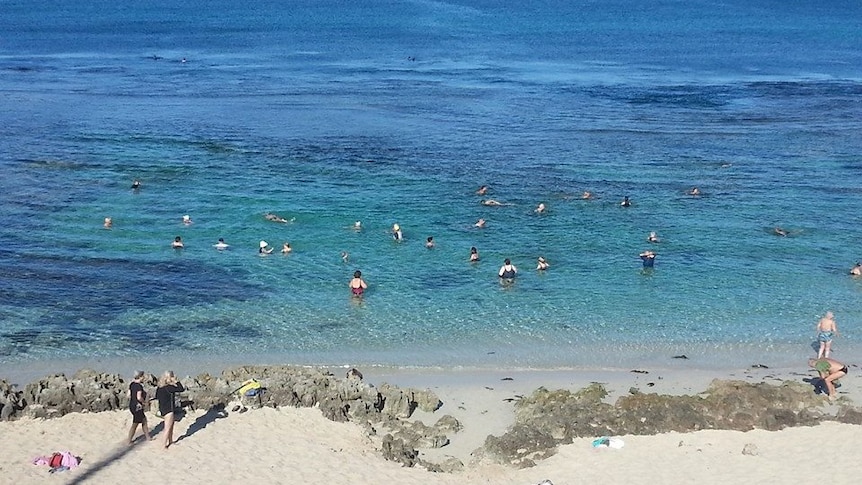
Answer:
(396, 112)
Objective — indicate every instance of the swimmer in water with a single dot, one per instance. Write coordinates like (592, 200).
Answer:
(178, 243)
(221, 245)
(357, 226)
(286, 248)
(136, 184)
(857, 269)
(274, 218)
(345, 256)
(779, 231)
(108, 223)
(653, 237)
(694, 191)
(429, 243)
(480, 223)
(508, 271)
(357, 285)
(482, 190)
(542, 264)
(626, 202)
(648, 258)
(474, 254)
(187, 220)
(264, 249)
(587, 195)
(540, 209)
(396, 232)
(492, 203)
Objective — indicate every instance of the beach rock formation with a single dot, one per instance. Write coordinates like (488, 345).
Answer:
(548, 418)
(384, 410)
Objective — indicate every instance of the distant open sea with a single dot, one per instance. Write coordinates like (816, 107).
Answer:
(331, 112)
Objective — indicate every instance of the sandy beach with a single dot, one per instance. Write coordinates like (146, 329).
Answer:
(298, 445)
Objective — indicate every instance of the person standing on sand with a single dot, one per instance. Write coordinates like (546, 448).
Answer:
(169, 386)
(137, 400)
(829, 370)
(357, 284)
(826, 330)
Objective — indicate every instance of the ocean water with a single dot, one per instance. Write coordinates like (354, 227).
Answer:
(396, 112)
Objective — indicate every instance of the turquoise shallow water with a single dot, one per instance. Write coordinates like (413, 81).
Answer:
(318, 114)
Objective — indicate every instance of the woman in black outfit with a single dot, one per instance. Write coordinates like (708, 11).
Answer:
(165, 394)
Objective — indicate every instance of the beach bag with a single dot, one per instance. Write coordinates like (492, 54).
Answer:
(250, 388)
(56, 460)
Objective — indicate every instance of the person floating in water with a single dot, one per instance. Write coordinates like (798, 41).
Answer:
(626, 202)
(480, 223)
(694, 191)
(778, 231)
(357, 284)
(826, 329)
(136, 184)
(396, 232)
(474, 254)
(542, 264)
(648, 258)
(856, 270)
(187, 219)
(275, 218)
(482, 190)
(264, 248)
(492, 203)
(221, 245)
(357, 226)
(285, 248)
(540, 209)
(109, 223)
(178, 243)
(508, 271)
(653, 237)
(345, 257)
(429, 243)
(587, 195)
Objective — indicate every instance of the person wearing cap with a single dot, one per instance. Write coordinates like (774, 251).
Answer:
(648, 258)
(187, 219)
(540, 209)
(357, 226)
(829, 370)
(264, 248)
(396, 232)
(542, 265)
(626, 202)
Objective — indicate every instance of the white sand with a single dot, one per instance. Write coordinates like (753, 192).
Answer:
(300, 446)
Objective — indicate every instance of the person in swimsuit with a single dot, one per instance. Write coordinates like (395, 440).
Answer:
(694, 191)
(779, 231)
(856, 270)
(492, 202)
(357, 284)
(264, 249)
(136, 184)
(626, 202)
(587, 195)
(653, 237)
(648, 258)
(429, 243)
(108, 223)
(169, 386)
(540, 209)
(474, 254)
(508, 271)
(177, 243)
(482, 190)
(274, 218)
(220, 245)
(480, 223)
(137, 401)
(187, 220)
(826, 329)
(542, 264)
(285, 248)
(396, 232)
(829, 370)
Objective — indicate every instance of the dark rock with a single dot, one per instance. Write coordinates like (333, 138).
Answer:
(395, 450)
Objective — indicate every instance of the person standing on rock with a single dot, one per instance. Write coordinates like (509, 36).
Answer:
(137, 401)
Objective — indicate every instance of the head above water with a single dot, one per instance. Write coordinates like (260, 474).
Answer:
(357, 274)
(507, 261)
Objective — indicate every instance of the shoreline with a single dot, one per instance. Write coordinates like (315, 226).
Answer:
(481, 399)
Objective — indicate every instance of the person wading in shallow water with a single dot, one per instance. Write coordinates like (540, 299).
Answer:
(357, 284)
(508, 271)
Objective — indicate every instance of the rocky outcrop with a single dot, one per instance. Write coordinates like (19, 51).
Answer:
(384, 410)
(549, 418)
